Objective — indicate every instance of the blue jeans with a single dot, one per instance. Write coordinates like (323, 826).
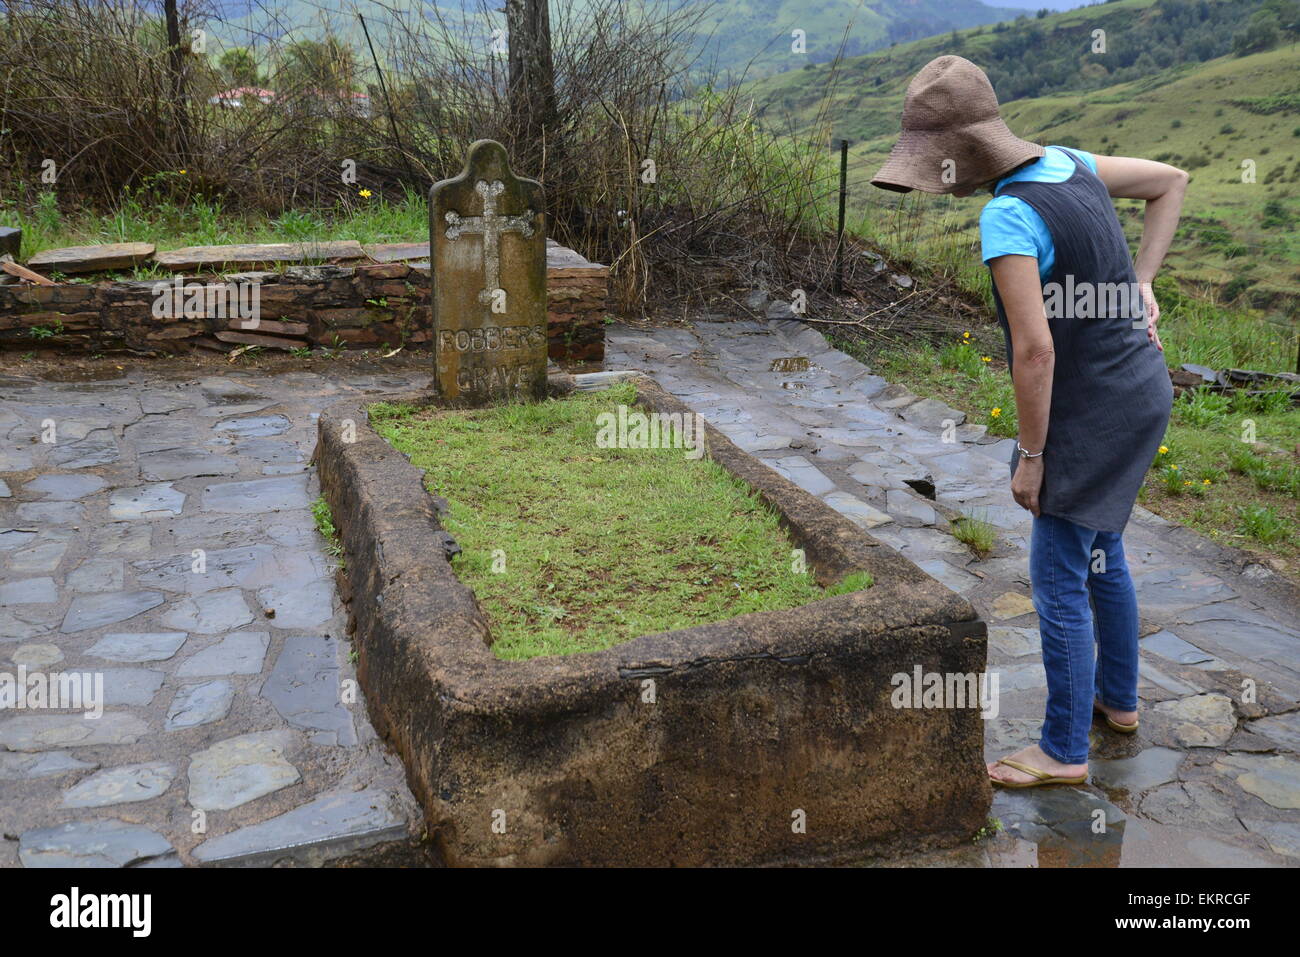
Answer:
(1088, 620)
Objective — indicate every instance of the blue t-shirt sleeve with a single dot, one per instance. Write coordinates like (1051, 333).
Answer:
(1007, 228)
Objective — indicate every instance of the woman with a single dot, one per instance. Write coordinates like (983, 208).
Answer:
(1092, 391)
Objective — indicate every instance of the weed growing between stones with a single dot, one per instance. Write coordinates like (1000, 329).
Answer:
(324, 519)
(570, 547)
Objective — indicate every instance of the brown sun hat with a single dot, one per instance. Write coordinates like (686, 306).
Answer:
(953, 136)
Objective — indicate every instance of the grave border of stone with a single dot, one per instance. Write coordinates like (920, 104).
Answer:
(755, 717)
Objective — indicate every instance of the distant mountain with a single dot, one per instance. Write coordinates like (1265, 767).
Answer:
(733, 36)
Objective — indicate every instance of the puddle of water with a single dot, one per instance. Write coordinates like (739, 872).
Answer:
(789, 364)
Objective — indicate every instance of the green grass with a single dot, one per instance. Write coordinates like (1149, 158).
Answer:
(324, 519)
(570, 547)
(1230, 468)
(165, 214)
(974, 532)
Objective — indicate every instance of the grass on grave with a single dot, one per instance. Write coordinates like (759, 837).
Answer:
(570, 547)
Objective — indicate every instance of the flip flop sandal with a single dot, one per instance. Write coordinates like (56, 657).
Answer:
(1115, 725)
(1041, 778)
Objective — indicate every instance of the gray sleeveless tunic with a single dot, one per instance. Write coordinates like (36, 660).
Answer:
(1111, 393)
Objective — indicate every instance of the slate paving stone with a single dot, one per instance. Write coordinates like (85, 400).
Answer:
(332, 825)
(304, 688)
(1197, 721)
(1062, 821)
(237, 654)
(254, 426)
(97, 448)
(99, 843)
(29, 591)
(1011, 605)
(185, 463)
(1283, 729)
(955, 578)
(240, 769)
(932, 414)
(856, 510)
(97, 575)
(1145, 770)
(17, 766)
(209, 614)
(5, 491)
(258, 495)
(121, 785)
(121, 538)
(1191, 804)
(251, 566)
(11, 538)
(45, 732)
(1235, 631)
(907, 509)
(302, 606)
(1283, 837)
(36, 656)
(1166, 590)
(1023, 677)
(1274, 779)
(52, 513)
(1015, 642)
(1172, 648)
(803, 473)
(64, 488)
(1166, 682)
(130, 686)
(138, 646)
(146, 501)
(200, 704)
(94, 611)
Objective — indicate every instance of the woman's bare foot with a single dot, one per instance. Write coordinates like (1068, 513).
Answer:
(1034, 757)
(1119, 717)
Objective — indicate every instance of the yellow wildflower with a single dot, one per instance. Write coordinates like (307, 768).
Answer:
(1164, 449)
(996, 412)
(364, 194)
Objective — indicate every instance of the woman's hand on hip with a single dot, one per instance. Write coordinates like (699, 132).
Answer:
(1152, 310)
(1027, 483)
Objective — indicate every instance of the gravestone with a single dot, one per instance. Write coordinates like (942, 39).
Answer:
(488, 267)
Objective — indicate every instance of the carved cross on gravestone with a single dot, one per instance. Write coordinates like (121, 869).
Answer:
(488, 263)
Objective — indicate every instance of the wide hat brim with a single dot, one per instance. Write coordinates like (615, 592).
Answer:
(945, 160)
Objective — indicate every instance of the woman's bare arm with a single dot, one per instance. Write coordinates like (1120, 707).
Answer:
(1032, 367)
(1162, 186)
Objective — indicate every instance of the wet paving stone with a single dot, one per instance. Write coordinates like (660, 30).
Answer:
(1015, 642)
(1148, 769)
(199, 704)
(240, 769)
(130, 686)
(145, 502)
(29, 591)
(103, 843)
(331, 825)
(52, 513)
(36, 656)
(97, 575)
(1191, 804)
(122, 785)
(1197, 721)
(254, 426)
(185, 463)
(16, 766)
(64, 488)
(94, 611)
(1274, 779)
(47, 732)
(138, 646)
(304, 688)
(299, 606)
(258, 495)
(238, 654)
(209, 614)
(97, 448)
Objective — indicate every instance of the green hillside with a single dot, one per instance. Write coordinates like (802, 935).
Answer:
(1207, 116)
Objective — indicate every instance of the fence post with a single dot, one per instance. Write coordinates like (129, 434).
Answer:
(839, 234)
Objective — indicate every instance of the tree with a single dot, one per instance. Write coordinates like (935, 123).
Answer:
(239, 68)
